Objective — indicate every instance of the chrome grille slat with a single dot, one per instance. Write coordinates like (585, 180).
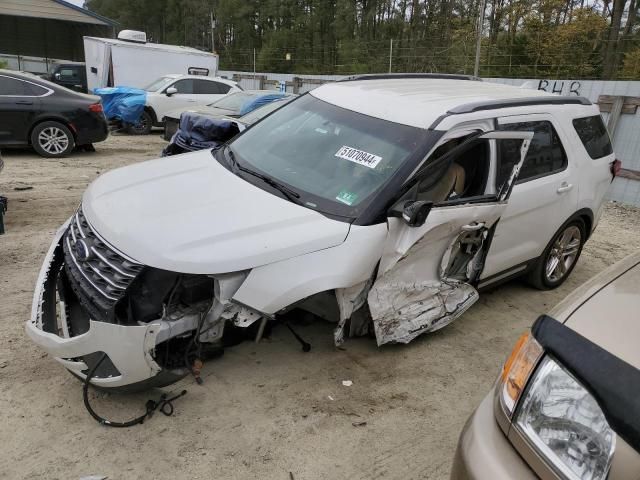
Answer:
(79, 227)
(107, 279)
(104, 294)
(102, 278)
(104, 259)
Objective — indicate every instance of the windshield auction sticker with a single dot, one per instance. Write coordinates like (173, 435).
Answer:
(347, 197)
(358, 156)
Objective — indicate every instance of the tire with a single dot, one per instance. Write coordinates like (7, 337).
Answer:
(566, 244)
(143, 127)
(52, 140)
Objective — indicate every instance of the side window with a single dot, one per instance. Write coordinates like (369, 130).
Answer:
(465, 175)
(207, 87)
(13, 86)
(69, 74)
(594, 136)
(184, 86)
(35, 90)
(546, 154)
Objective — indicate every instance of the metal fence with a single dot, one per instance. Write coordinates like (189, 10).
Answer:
(625, 135)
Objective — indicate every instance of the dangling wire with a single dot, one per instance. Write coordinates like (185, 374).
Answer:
(163, 404)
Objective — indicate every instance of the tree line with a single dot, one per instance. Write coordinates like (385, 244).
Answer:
(521, 38)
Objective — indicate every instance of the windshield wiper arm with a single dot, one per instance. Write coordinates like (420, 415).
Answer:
(291, 194)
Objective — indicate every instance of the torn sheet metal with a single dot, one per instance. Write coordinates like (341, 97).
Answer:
(420, 294)
(349, 301)
(402, 311)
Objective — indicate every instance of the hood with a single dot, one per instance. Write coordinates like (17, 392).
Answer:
(607, 312)
(201, 110)
(189, 214)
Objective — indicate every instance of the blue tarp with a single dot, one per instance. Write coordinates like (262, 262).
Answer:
(254, 103)
(122, 103)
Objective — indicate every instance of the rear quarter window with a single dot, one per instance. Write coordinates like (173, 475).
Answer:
(594, 136)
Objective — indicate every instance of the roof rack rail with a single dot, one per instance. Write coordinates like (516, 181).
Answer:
(509, 103)
(518, 102)
(389, 76)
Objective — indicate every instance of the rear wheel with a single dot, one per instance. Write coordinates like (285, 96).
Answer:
(52, 139)
(560, 257)
(143, 127)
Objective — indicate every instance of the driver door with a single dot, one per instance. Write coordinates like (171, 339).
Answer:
(435, 249)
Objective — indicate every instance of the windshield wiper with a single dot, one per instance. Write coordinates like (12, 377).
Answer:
(291, 195)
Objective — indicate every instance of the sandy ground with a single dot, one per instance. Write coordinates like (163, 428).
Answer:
(264, 410)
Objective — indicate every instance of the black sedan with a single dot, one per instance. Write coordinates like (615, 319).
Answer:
(50, 118)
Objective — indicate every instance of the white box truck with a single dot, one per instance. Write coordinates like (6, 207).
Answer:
(131, 61)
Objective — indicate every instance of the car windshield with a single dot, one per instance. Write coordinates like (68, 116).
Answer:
(233, 101)
(255, 115)
(334, 158)
(158, 84)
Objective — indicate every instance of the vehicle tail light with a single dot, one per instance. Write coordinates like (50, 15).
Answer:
(517, 369)
(96, 108)
(616, 166)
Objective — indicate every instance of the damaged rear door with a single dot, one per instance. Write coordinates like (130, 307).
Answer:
(436, 247)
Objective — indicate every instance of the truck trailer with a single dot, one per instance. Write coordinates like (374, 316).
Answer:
(130, 61)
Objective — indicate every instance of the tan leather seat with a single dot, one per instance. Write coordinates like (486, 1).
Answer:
(451, 185)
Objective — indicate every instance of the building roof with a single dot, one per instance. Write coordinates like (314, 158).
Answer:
(417, 102)
(53, 10)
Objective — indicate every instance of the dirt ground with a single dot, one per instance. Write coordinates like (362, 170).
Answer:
(264, 410)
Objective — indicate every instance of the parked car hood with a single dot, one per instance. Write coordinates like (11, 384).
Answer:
(189, 214)
(202, 110)
(605, 310)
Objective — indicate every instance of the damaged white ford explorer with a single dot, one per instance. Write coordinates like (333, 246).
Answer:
(381, 203)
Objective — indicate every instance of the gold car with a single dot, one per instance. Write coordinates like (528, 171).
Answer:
(567, 402)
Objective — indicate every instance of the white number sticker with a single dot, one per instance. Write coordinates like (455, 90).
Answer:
(358, 156)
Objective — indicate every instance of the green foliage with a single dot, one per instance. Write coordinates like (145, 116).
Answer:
(521, 38)
(4, 64)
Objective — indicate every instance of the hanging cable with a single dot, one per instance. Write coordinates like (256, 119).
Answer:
(164, 404)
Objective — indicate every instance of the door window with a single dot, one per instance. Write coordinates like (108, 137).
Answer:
(546, 154)
(184, 86)
(464, 175)
(594, 136)
(13, 87)
(208, 87)
(69, 74)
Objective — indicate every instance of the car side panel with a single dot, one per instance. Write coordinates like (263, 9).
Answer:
(17, 114)
(272, 287)
(537, 208)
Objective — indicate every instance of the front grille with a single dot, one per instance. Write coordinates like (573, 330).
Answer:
(97, 273)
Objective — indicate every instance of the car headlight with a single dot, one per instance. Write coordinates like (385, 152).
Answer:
(562, 420)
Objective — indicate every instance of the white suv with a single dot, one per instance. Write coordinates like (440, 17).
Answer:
(379, 203)
(175, 91)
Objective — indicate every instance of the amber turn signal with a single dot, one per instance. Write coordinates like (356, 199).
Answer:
(517, 369)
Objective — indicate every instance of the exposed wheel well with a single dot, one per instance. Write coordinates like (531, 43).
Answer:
(54, 119)
(586, 216)
(152, 112)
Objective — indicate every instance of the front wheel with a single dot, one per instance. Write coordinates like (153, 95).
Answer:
(143, 127)
(560, 257)
(52, 139)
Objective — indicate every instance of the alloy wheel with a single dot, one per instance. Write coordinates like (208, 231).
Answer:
(563, 253)
(53, 140)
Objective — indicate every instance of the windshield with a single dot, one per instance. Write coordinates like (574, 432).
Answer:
(233, 101)
(158, 84)
(263, 111)
(336, 159)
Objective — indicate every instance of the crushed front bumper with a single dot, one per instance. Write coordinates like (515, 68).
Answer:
(129, 348)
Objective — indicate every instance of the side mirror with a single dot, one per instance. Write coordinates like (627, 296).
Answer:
(56, 76)
(170, 91)
(415, 213)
